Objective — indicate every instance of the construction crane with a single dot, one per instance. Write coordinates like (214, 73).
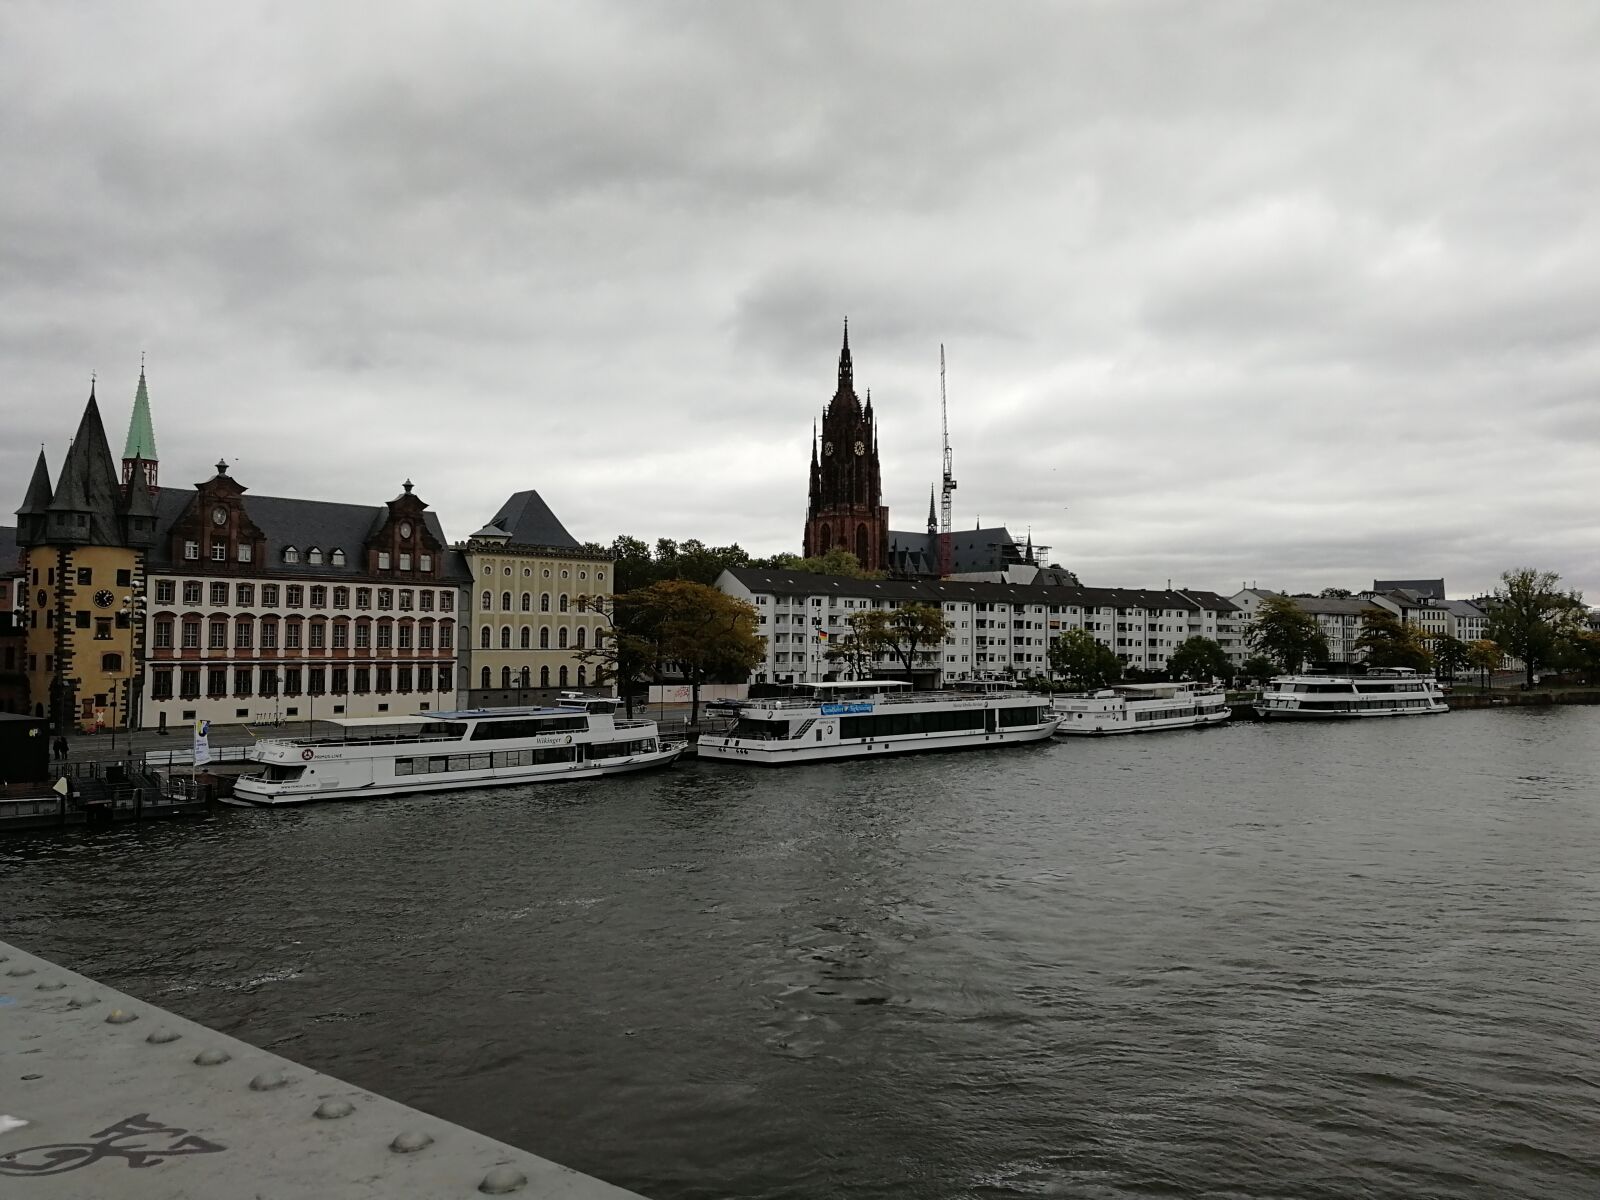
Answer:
(946, 554)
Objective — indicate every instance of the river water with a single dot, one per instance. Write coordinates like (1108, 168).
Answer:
(1259, 961)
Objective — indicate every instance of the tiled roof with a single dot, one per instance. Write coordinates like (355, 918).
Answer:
(970, 550)
(1334, 605)
(90, 481)
(529, 521)
(1433, 589)
(800, 583)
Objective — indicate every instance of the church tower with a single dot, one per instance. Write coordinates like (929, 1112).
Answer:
(139, 451)
(846, 508)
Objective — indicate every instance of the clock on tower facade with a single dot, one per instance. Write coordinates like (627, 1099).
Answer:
(846, 508)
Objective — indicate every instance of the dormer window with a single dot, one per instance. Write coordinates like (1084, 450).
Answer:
(383, 560)
(291, 555)
(337, 558)
(244, 552)
(425, 563)
(405, 561)
(219, 551)
(191, 550)
(314, 556)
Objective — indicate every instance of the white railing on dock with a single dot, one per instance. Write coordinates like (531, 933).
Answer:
(185, 758)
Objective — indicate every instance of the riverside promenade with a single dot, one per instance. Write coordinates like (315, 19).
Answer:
(102, 1094)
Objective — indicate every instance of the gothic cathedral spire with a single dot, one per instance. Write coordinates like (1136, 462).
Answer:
(846, 508)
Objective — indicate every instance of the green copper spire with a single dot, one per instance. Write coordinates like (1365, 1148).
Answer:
(141, 433)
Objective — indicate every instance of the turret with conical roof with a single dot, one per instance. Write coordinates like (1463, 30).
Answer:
(86, 507)
(35, 505)
(140, 448)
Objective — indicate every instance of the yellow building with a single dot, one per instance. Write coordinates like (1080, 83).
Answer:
(83, 544)
(531, 608)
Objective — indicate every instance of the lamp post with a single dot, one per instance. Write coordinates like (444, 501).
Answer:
(132, 611)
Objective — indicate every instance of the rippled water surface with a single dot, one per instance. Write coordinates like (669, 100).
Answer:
(1286, 961)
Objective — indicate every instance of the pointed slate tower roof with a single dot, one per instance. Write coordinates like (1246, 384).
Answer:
(141, 441)
(37, 501)
(88, 485)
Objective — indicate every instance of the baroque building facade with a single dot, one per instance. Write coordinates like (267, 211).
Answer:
(538, 600)
(846, 506)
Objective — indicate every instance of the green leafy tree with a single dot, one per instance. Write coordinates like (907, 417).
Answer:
(1258, 666)
(1086, 662)
(855, 649)
(1334, 593)
(837, 561)
(1530, 616)
(1286, 633)
(1200, 658)
(901, 632)
(636, 566)
(1581, 654)
(1449, 656)
(1485, 656)
(627, 649)
(1387, 641)
(705, 633)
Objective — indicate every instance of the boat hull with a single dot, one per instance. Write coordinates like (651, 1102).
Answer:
(253, 794)
(1112, 728)
(783, 754)
(1304, 714)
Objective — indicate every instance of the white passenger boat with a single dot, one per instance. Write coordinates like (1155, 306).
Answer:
(873, 717)
(1398, 692)
(1141, 708)
(451, 751)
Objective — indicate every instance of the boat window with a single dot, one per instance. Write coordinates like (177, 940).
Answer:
(277, 774)
(527, 727)
(442, 729)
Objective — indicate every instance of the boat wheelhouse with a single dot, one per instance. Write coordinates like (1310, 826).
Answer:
(874, 717)
(1395, 692)
(451, 751)
(1141, 708)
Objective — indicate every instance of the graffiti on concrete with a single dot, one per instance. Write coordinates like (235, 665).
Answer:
(137, 1141)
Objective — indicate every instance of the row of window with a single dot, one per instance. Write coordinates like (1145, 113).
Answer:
(525, 638)
(486, 602)
(438, 764)
(524, 678)
(295, 681)
(951, 606)
(294, 595)
(298, 634)
(527, 572)
(217, 551)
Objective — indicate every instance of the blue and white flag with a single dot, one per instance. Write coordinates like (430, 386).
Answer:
(202, 743)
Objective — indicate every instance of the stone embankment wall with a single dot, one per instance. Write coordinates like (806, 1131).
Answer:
(1459, 700)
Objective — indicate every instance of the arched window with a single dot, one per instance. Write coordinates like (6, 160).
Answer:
(582, 636)
(505, 677)
(290, 554)
(581, 673)
(527, 677)
(583, 604)
(505, 637)
(314, 555)
(526, 637)
(561, 638)
(527, 601)
(544, 602)
(861, 544)
(487, 601)
(111, 662)
(486, 679)
(544, 638)
(505, 601)
(827, 539)
(544, 677)
(563, 602)
(483, 638)
(563, 677)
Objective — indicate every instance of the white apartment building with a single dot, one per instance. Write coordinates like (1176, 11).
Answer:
(995, 628)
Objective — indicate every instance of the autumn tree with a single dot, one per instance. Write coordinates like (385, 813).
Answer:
(1529, 616)
(1387, 641)
(1449, 656)
(901, 631)
(1287, 633)
(1200, 658)
(1087, 662)
(1581, 654)
(705, 633)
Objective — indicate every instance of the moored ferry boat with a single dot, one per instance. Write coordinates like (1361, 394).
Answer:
(874, 717)
(1141, 708)
(451, 751)
(1396, 692)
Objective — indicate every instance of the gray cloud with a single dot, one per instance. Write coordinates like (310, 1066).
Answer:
(1291, 294)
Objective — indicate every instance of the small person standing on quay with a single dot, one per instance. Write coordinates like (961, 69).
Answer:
(60, 748)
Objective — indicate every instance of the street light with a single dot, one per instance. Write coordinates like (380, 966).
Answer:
(132, 612)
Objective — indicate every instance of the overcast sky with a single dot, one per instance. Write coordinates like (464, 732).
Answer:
(1300, 294)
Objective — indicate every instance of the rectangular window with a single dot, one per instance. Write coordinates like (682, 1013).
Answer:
(191, 635)
(405, 601)
(164, 591)
(364, 597)
(269, 635)
(385, 636)
(243, 680)
(81, 618)
(383, 560)
(319, 596)
(341, 597)
(447, 602)
(189, 683)
(341, 638)
(219, 593)
(191, 591)
(405, 637)
(219, 551)
(217, 681)
(269, 595)
(424, 679)
(244, 552)
(246, 593)
(341, 681)
(269, 681)
(291, 681)
(319, 635)
(405, 561)
(364, 635)
(85, 576)
(318, 682)
(425, 601)
(291, 636)
(243, 635)
(219, 635)
(425, 639)
(363, 681)
(447, 637)
(191, 550)
(383, 681)
(161, 686)
(294, 596)
(163, 635)
(385, 599)
(425, 564)
(403, 679)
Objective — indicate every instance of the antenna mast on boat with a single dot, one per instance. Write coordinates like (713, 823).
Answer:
(949, 485)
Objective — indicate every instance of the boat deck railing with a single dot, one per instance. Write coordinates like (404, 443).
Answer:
(775, 703)
(371, 740)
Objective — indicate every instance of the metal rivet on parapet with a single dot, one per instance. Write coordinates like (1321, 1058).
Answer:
(49, 987)
(211, 1058)
(501, 1180)
(332, 1110)
(117, 1017)
(268, 1080)
(19, 972)
(160, 1037)
(82, 1001)
(410, 1142)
